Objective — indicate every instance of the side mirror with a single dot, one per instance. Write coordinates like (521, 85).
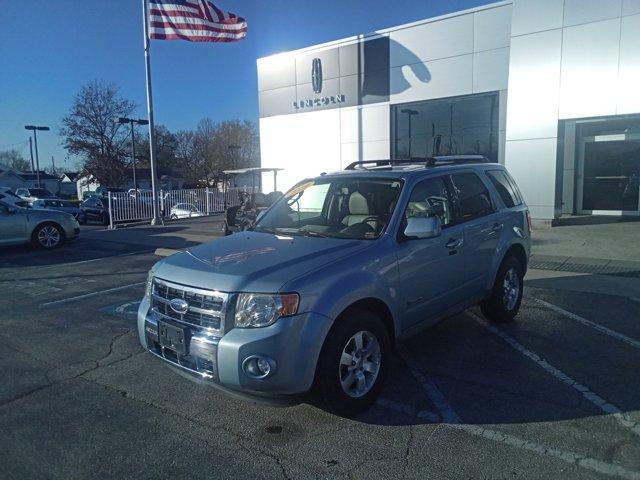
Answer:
(420, 227)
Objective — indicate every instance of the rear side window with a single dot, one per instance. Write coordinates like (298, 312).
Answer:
(472, 197)
(505, 187)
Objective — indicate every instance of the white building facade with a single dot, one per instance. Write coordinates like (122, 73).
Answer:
(550, 88)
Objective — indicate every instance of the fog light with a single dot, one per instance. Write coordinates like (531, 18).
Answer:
(258, 366)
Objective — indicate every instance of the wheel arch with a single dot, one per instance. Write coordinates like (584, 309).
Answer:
(519, 252)
(63, 234)
(376, 306)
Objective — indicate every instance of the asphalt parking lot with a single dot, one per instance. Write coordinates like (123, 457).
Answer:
(554, 395)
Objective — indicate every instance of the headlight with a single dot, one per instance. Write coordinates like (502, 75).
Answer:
(148, 285)
(262, 310)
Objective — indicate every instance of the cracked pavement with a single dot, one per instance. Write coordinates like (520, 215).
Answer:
(80, 399)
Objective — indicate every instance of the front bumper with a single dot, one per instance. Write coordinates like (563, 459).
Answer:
(294, 343)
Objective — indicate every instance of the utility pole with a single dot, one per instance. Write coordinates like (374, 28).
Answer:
(53, 165)
(132, 121)
(35, 129)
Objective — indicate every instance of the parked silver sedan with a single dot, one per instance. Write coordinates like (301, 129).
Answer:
(44, 228)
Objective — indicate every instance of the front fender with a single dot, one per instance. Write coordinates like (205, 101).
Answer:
(371, 274)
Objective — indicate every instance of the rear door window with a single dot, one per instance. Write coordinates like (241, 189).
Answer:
(505, 188)
(472, 199)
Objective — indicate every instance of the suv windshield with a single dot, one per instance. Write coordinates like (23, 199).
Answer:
(357, 208)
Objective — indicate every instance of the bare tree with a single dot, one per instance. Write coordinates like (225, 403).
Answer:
(211, 150)
(14, 159)
(90, 132)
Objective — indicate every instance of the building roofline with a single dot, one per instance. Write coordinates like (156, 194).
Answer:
(385, 31)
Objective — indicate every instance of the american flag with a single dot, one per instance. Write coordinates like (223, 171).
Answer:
(193, 20)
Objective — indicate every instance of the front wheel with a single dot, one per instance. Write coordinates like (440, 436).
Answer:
(506, 296)
(48, 236)
(352, 363)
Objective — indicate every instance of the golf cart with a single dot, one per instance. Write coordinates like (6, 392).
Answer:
(240, 217)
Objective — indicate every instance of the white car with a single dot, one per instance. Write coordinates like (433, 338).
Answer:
(184, 210)
(8, 196)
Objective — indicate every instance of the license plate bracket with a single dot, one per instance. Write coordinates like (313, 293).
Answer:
(174, 338)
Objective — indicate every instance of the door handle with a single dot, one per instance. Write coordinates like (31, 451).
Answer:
(496, 227)
(454, 243)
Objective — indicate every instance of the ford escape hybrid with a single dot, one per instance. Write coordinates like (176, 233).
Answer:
(317, 292)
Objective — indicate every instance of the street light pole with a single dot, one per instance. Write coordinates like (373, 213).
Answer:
(33, 168)
(133, 157)
(35, 129)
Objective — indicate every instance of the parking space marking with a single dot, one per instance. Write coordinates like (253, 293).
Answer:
(447, 412)
(93, 294)
(607, 407)
(588, 323)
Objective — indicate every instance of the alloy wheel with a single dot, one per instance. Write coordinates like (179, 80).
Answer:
(510, 289)
(360, 364)
(49, 236)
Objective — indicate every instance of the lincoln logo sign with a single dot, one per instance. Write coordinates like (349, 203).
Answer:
(316, 84)
(316, 75)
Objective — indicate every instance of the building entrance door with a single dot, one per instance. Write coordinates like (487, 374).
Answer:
(609, 175)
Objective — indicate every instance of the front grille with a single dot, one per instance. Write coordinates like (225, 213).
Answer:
(206, 307)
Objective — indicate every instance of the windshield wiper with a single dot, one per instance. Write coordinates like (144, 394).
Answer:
(263, 229)
(312, 233)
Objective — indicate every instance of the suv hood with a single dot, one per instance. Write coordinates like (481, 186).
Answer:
(253, 261)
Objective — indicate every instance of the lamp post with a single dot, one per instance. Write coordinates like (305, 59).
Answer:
(131, 122)
(35, 129)
(410, 113)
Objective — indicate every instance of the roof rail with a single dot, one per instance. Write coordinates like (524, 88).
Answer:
(427, 162)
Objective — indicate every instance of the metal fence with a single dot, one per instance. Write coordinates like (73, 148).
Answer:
(172, 204)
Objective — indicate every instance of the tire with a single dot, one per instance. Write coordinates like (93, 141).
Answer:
(49, 235)
(104, 219)
(502, 306)
(333, 369)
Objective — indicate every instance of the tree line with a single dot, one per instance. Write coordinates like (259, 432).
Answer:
(103, 147)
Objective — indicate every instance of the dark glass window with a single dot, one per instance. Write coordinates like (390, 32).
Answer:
(504, 187)
(448, 126)
(430, 199)
(471, 196)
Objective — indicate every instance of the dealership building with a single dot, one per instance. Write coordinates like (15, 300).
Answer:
(549, 88)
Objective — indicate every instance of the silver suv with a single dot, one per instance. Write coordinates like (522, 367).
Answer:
(319, 290)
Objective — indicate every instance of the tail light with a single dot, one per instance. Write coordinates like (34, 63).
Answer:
(528, 215)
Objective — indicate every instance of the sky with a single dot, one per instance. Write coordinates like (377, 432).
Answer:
(50, 49)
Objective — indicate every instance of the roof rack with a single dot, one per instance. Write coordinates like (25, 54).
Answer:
(427, 162)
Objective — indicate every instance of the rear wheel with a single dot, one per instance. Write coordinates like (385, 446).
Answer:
(352, 363)
(506, 296)
(48, 235)
(105, 219)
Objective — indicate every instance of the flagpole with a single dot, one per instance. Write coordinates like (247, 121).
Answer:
(152, 139)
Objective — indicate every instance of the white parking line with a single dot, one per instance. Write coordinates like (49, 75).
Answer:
(607, 331)
(93, 294)
(594, 398)
(447, 412)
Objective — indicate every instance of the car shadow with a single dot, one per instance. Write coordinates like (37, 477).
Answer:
(461, 366)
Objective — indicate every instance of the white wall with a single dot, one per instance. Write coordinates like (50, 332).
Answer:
(568, 59)
(460, 55)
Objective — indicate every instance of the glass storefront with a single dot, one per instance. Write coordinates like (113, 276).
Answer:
(447, 126)
(608, 173)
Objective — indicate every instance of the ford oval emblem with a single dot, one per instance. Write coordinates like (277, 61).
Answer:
(180, 306)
